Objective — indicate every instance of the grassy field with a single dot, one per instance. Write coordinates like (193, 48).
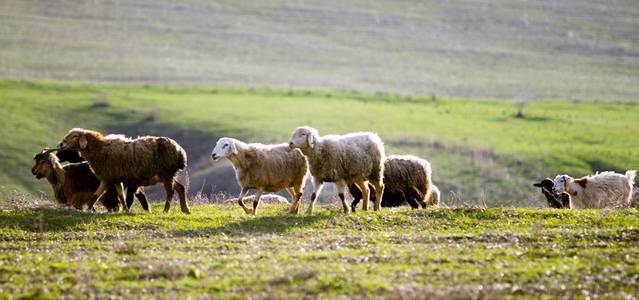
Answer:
(478, 149)
(218, 252)
(573, 49)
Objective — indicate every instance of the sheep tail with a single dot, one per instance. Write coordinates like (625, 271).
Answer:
(630, 175)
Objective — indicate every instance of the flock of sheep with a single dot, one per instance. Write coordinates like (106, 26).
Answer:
(106, 165)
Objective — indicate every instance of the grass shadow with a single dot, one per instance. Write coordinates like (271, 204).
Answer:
(50, 219)
(260, 225)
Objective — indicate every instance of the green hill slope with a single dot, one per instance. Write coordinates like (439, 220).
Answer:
(478, 149)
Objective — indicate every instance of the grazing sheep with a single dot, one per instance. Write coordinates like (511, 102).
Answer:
(73, 184)
(265, 168)
(138, 162)
(434, 196)
(352, 158)
(553, 200)
(73, 156)
(407, 179)
(602, 190)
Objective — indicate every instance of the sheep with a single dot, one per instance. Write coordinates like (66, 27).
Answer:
(138, 162)
(434, 196)
(265, 168)
(352, 158)
(602, 190)
(407, 179)
(73, 184)
(73, 156)
(553, 200)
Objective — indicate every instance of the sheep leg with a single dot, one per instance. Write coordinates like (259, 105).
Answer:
(341, 187)
(129, 195)
(142, 198)
(120, 193)
(98, 194)
(379, 193)
(256, 201)
(317, 186)
(296, 196)
(363, 187)
(168, 188)
(240, 201)
(184, 206)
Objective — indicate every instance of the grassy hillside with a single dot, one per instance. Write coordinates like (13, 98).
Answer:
(218, 252)
(571, 49)
(478, 149)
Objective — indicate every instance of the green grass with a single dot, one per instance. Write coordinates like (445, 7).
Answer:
(469, 142)
(222, 253)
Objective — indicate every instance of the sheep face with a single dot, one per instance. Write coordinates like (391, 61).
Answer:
(43, 166)
(303, 137)
(75, 139)
(561, 183)
(554, 200)
(223, 148)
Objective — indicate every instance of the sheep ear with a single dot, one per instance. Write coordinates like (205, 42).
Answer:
(83, 141)
(233, 148)
(537, 184)
(310, 140)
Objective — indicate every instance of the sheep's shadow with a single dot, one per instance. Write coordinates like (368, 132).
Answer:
(50, 219)
(258, 225)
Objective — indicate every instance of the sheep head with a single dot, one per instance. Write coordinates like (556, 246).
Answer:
(75, 139)
(560, 183)
(303, 137)
(43, 163)
(553, 200)
(224, 148)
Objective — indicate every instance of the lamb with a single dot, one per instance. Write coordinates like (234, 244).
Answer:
(407, 179)
(602, 190)
(265, 168)
(553, 200)
(138, 162)
(73, 184)
(352, 158)
(73, 156)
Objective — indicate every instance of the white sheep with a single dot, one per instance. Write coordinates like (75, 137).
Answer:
(602, 190)
(265, 168)
(343, 159)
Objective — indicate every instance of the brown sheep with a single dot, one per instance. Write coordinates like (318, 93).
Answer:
(73, 184)
(73, 156)
(138, 162)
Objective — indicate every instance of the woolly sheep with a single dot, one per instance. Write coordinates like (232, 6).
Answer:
(602, 190)
(138, 162)
(74, 156)
(73, 184)
(352, 158)
(553, 200)
(407, 179)
(265, 168)
(434, 196)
